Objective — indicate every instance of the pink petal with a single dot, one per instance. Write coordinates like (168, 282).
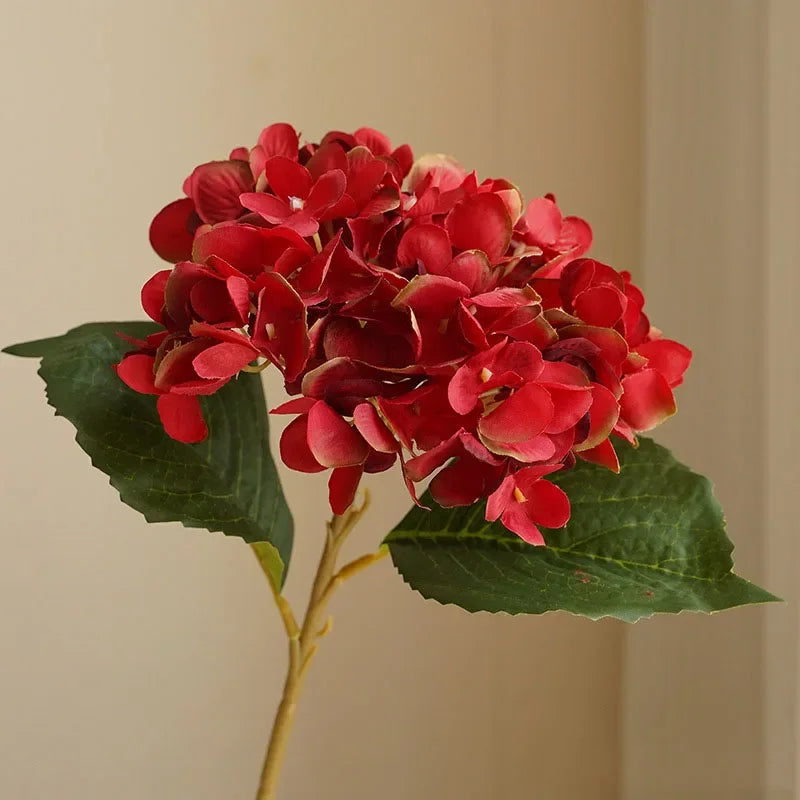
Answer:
(370, 425)
(647, 400)
(427, 245)
(333, 441)
(443, 172)
(342, 487)
(153, 296)
(172, 230)
(223, 360)
(287, 178)
(521, 417)
(480, 222)
(182, 418)
(295, 452)
(669, 358)
(138, 372)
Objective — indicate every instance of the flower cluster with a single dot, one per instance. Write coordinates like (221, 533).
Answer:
(417, 316)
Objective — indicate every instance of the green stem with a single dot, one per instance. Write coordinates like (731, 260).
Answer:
(303, 640)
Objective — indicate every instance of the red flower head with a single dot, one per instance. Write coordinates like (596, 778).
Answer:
(441, 323)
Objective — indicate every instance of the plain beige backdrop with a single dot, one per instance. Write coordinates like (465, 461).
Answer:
(145, 661)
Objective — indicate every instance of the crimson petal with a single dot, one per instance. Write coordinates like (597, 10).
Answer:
(481, 222)
(342, 487)
(172, 230)
(182, 417)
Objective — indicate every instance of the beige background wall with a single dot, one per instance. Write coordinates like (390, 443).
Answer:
(144, 661)
(710, 704)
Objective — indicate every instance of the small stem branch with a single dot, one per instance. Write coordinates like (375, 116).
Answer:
(303, 639)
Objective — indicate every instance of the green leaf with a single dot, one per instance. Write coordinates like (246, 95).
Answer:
(227, 483)
(270, 560)
(651, 539)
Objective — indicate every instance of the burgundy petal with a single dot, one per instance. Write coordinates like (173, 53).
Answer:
(342, 487)
(333, 441)
(172, 230)
(295, 452)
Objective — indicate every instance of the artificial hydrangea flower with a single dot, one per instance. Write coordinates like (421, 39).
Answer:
(417, 315)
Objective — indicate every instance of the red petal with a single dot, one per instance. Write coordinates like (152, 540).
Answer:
(404, 158)
(561, 373)
(239, 293)
(326, 191)
(471, 268)
(522, 417)
(223, 360)
(172, 230)
(427, 245)
(546, 504)
(295, 452)
(280, 328)
(287, 178)
(499, 499)
(329, 156)
(517, 521)
(342, 487)
(376, 141)
(600, 305)
(248, 248)
(540, 448)
(613, 347)
(370, 425)
(461, 483)
(481, 222)
(603, 415)
(333, 441)
(669, 358)
(153, 295)
(182, 417)
(604, 454)
(272, 208)
(442, 171)
(431, 295)
(570, 405)
(647, 400)
(215, 188)
(138, 371)
(279, 139)
(299, 405)
(543, 219)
